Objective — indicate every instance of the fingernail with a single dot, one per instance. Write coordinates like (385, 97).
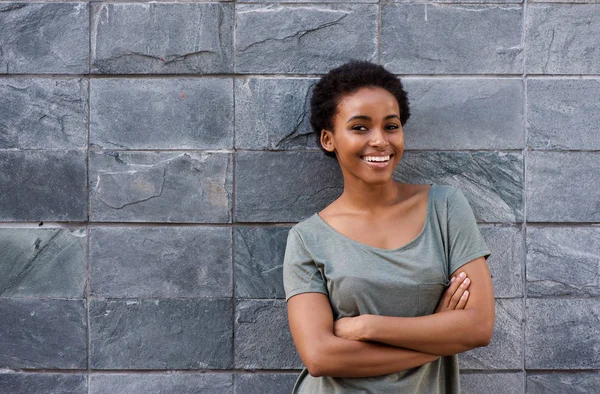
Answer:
(452, 279)
(466, 282)
(462, 275)
(466, 293)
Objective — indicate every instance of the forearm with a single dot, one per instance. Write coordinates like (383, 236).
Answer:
(441, 333)
(340, 357)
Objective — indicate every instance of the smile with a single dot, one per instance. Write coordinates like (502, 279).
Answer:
(377, 161)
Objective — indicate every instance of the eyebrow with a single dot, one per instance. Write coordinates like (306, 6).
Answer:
(364, 117)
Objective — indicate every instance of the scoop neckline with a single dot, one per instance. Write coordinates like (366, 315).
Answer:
(406, 245)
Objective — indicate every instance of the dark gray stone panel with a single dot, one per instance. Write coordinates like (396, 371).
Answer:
(167, 383)
(161, 334)
(43, 262)
(451, 114)
(259, 261)
(506, 349)
(491, 181)
(506, 261)
(563, 113)
(46, 383)
(162, 113)
(273, 113)
(262, 336)
(162, 38)
(451, 39)
(284, 186)
(312, 38)
(160, 187)
(563, 261)
(491, 383)
(265, 383)
(562, 334)
(563, 187)
(562, 38)
(43, 185)
(44, 38)
(43, 113)
(43, 334)
(160, 262)
(564, 383)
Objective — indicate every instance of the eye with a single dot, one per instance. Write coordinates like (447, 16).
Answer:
(359, 127)
(392, 126)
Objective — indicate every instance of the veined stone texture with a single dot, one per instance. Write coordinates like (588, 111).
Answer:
(43, 185)
(563, 38)
(563, 261)
(273, 113)
(42, 262)
(557, 382)
(151, 38)
(43, 113)
(259, 261)
(262, 383)
(563, 187)
(451, 39)
(174, 113)
(491, 383)
(172, 383)
(161, 334)
(160, 186)
(288, 39)
(506, 261)
(454, 114)
(160, 262)
(563, 113)
(48, 383)
(43, 38)
(491, 181)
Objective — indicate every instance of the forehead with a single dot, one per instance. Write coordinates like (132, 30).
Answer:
(368, 99)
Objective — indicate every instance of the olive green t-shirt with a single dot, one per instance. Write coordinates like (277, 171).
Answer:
(407, 281)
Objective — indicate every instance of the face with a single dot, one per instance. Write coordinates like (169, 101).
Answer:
(367, 136)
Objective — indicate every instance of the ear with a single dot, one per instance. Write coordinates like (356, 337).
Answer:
(327, 140)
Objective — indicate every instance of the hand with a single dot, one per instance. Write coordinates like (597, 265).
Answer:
(352, 328)
(456, 295)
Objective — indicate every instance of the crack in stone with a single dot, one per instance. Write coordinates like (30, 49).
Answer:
(299, 34)
(548, 53)
(12, 7)
(293, 134)
(117, 206)
(309, 196)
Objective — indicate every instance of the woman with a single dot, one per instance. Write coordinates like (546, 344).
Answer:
(376, 283)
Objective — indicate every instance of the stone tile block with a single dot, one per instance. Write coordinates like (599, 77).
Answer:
(506, 349)
(43, 262)
(160, 262)
(42, 334)
(155, 383)
(448, 114)
(563, 113)
(284, 108)
(174, 113)
(161, 334)
(491, 383)
(160, 186)
(156, 38)
(562, 39)
(47, 383)
(562, 334)
(43, 185)
(451, 39)
(265, 383)
(43, 113)
(259, 261)
(262, 336)
(491, 181)
(41, 38)
(303, 38)
(563, 187)
(284, 186)
(561, 382)
(563, 261)
(506, 261)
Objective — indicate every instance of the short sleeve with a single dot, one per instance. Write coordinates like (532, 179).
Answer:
(465, 240)
(300, 273)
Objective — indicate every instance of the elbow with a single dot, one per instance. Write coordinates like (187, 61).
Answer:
(483, 333)
(315, 363)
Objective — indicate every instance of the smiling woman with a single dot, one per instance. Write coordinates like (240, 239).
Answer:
(389, 282)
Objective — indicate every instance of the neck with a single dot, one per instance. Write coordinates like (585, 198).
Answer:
(366, 198)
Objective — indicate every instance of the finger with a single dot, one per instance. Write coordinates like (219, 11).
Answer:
(463, 300)
(459, 292)
(455, 282)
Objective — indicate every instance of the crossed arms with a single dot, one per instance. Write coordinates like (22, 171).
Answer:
(370, 345)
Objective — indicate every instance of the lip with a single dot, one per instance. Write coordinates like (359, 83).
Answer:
(378, 164)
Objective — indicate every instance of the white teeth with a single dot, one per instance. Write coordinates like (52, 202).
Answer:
(376, 158)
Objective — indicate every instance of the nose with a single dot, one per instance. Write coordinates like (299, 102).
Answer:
(378, 138)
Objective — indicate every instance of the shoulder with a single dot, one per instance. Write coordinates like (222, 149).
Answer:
(445, 193)
(306, 229)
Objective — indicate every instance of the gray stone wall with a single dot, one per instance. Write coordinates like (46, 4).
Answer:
(153, 156)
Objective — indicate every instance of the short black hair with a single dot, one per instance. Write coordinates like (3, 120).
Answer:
(347, 79)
